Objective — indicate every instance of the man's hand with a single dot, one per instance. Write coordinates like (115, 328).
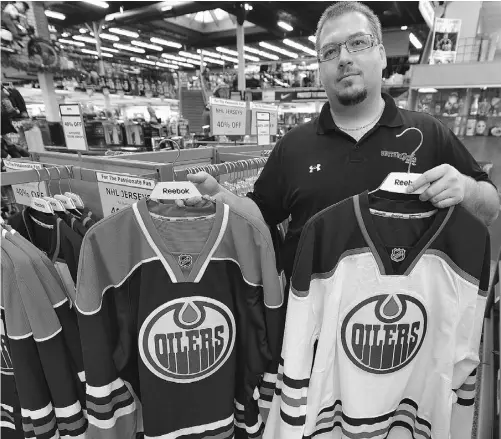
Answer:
(447, 186)
(207, 186)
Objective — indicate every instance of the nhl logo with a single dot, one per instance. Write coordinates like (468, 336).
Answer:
(185, 261)
(398, 254)
(384, 333)
(187, 339)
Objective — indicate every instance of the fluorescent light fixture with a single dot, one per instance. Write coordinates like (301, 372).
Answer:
(169, 66)
(183, 64)
(230, 59)
(109, 49)
(403, 28)
(189, 55)
(82, 30)
(228, 51)
(145, 61)
(427, 90)
(174, 57)
(90, 52)
(109, 37)
(166, 42)
(129, 48)
(298, 46)
(415, 42)
(261, 53)
(103, 5)
(127, 33)
(206, 52)
(278, 49)
(84, 38)
(56, 15)
(285, 26)
(312, 38)
(107, 55)
(146, 45)
(213, 61)
(74, 43)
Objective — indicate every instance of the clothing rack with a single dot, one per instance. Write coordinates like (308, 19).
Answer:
(229, 167)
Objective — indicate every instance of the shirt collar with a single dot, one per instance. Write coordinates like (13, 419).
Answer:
(391, 116)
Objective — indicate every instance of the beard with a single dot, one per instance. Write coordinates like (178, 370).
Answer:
(352, 97)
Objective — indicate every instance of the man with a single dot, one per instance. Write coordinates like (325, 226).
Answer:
(353, 145)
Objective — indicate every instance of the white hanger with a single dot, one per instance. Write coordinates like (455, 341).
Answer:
(397, 182)
(174, 190)
(56, 205)
(38, 203)
(66, 201)
(75, 197)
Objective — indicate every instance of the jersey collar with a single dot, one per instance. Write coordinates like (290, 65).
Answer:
(391, 116)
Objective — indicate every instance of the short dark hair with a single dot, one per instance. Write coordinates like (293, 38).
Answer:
(340, 8)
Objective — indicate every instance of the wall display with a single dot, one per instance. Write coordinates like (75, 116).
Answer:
(227, 117)
(118, 190)
(73, 126)
(445, 40)
(23, 193)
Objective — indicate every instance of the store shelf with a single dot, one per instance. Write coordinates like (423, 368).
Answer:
(466, 75)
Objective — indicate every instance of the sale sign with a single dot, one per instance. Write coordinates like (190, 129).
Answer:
(73, 126)
(227, 117)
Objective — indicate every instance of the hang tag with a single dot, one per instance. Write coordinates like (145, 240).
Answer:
(67, 202)
(174, 190)
(76, 199)
(398, 181)
(41, 205)
(55, 204)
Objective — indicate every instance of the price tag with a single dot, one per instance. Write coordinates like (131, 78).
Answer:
(120, 190)
(398, 182)
(263, 128)
(269, 108)
(73, 126)
(175, 190)
(23, 193)
(227, 117)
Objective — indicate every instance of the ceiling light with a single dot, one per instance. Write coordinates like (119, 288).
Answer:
(427, 90)
(278, 49)
(285, 26)
(146, 45)
(169, 66)
(189, 55)
(183, 64)
(56, 15)
(313, 38)
(228, 58)
(129, 48)
(206, 52)
(103, 5)
(74, 43)
(145, 61)
(109, 49)
(403, 28)
(166, 43)
(261, 53)
(251, 58)
(84, 38)
(65, 34)
(82, 30)
(109, 37)
(127, 33)
(91, 52)
(298, 46)
(228, 51)
(248, 7)
(415, 42)
(174, 57)
(213, 61)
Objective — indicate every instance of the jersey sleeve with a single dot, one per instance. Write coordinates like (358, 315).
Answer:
(287, 416)
(112, 407)
(270, 188)
(468, 334)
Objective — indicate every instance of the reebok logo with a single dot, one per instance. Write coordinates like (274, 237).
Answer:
(175, 191)
(315, 168)
(402, 182)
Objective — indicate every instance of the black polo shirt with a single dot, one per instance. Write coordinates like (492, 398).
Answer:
(316, 165)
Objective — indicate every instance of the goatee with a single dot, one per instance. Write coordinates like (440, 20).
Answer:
(352, 99)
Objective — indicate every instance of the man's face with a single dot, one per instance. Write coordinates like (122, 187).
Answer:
(351, 76)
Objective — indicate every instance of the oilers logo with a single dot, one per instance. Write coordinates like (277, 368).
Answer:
(188, 339)
(384, 333)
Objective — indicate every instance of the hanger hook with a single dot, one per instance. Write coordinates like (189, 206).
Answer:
(176, 159)
(48, 182)
(39, 181)
(59, 180)
(70, 174)
(411, 157)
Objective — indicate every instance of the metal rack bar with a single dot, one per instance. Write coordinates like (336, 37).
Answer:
(223, 168)
(48, 173)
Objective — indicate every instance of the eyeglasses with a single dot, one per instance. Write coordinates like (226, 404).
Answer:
(356, 43)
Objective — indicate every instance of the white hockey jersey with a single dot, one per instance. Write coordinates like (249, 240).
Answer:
(383, 324)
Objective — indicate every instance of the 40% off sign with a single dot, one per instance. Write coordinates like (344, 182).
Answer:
(228, 117)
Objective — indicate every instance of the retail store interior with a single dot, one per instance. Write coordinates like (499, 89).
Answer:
(155, 90)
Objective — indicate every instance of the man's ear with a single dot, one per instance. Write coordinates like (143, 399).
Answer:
(382, 54)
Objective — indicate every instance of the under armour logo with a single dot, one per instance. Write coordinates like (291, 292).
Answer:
(314, 168)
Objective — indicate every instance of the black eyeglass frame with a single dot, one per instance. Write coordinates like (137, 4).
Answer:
(372, 39)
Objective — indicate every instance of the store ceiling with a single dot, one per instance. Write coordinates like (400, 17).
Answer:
(211, 25)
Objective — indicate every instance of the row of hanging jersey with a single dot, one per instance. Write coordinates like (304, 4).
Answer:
(179, 315)
(43, 383)
(383, 322)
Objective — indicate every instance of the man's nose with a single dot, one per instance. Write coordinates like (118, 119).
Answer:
(345, 56)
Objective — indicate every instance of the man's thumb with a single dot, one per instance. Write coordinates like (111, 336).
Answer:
(197, 178)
